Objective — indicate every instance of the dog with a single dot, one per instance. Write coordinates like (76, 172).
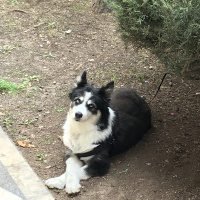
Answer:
(100, 124)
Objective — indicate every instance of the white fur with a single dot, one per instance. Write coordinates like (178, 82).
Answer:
(82, 108)
(78, 80)
(58, 182)
(79, 137)
(71, 178)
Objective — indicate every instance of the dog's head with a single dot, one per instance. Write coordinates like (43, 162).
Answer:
(89, 103)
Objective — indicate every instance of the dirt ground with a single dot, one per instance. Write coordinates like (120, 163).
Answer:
(45, 45)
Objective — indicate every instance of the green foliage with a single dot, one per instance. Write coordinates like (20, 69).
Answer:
(171, 29)
(41, 157)
(7, 49)
(14, 1)
(47, 141)
(10, 87)
(6, 86)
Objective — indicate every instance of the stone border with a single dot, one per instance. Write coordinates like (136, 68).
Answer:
(20, 171)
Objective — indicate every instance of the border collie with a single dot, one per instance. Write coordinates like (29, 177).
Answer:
(100, 123)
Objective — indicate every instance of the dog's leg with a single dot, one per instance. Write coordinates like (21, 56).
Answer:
(74, 165)
(58, 182)
(98, 165)
(83, 174)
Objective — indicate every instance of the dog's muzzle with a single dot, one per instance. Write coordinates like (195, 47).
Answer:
(78, 116)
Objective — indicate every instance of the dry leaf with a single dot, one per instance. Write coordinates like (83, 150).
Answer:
(25, 143)
(60, 137)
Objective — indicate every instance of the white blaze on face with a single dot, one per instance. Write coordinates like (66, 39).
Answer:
(82, 107)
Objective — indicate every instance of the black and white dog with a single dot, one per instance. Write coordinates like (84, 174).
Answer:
(100, 123)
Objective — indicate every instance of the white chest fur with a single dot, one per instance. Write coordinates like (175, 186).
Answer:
(81, 136)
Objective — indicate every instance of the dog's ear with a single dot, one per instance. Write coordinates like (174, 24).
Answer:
(106, 91)
(82, 80)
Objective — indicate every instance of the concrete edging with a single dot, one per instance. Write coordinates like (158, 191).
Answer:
(28, 182)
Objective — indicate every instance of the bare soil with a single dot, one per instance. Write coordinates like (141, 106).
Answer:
(36, 47)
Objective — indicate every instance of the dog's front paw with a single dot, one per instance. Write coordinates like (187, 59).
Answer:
(55, 183)
(73, 188)
(72, 184)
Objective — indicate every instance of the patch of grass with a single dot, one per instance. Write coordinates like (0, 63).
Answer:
(140, 77)
(11, 24)
(51, 25)
(27, 81)
(14, 2)
(7, 49)
(82, 6)
(30, 79)
(113, 72)
(125, 171)
(99, 73)
(47, 141)
(41, 157)
(50, 55)
(14, 132)
(79, 8)
(34, 78)
(9, 87)
(22, 137)
(7, 122)
(114, 77)
(60, 109)
(28, 122)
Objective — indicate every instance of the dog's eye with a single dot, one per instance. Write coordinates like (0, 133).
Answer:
(91, 105)
(77, 100)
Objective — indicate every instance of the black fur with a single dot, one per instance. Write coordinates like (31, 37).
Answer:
(99, 164)
(101, 97)
(132, 121)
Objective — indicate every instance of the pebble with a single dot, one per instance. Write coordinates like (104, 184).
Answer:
(68, 31)
(151, 67)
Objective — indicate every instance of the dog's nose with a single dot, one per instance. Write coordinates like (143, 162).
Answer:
(78, 115)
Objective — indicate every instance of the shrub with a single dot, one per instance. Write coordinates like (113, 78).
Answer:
(170, 28)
